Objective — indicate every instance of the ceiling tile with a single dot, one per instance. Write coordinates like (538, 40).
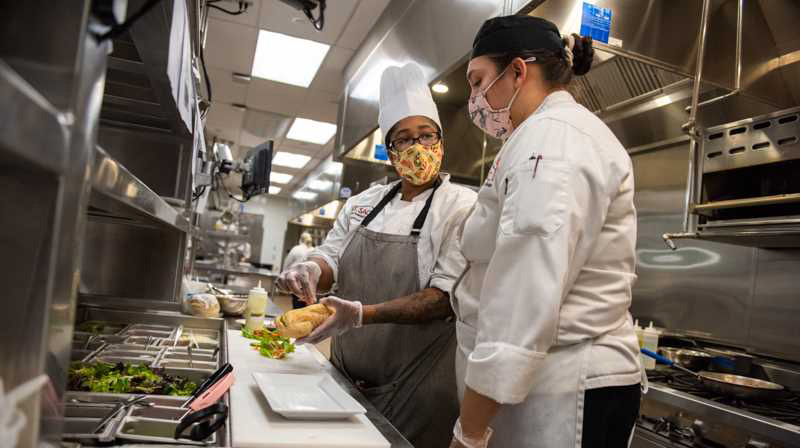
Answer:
(275, 97)
(320, 106)
(225, 121)
(338, 57)
(224, 88)
(299, 147)
(364, 18)
(328, 80)
(282, 18)
(230, 46)
(248, 18)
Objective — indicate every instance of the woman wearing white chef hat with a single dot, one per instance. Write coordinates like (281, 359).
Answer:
(547, 353)
(393, 256)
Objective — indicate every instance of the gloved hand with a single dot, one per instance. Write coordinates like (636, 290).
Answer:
(346, 315)
(301, 279)
(462, 441)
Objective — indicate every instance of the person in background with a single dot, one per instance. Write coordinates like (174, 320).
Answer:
(296, 255)
(548, 354)
(393, 256)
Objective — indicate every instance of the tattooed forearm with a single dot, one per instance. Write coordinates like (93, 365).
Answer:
(422, 306)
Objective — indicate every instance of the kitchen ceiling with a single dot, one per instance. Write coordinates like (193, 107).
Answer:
(246, 113)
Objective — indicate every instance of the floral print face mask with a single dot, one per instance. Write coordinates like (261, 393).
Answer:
(419, 164)
(494, 122)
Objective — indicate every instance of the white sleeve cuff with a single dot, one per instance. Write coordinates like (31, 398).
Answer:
(328, 259)
(443, 282)
(502, 372)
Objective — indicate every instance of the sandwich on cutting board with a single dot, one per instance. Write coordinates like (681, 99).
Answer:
(301, 322)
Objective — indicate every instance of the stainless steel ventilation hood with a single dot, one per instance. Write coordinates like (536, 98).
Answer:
(641, 88)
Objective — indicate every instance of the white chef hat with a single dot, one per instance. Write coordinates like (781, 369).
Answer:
(404, 93)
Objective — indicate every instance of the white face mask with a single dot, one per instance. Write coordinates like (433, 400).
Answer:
(494, 122)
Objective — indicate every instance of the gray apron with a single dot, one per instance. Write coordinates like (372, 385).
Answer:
(406, 370)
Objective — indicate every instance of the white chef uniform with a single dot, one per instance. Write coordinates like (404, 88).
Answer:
(440, 259)
(543, 306)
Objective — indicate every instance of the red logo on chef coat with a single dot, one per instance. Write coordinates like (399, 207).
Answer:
(361, 212)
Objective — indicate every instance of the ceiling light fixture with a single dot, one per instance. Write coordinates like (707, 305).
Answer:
(280, 178)
(290, 160)
(311, 131)
(334, 169)
(304, 195)
(274, 190)
(440, 88)
(320, 185)
(287, 59)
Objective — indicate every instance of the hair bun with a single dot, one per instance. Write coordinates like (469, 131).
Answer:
(582, 55)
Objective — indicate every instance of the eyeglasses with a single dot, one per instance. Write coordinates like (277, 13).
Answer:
(426, 139)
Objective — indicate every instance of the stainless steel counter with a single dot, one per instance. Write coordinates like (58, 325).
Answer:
(248, 271)
(376, 418)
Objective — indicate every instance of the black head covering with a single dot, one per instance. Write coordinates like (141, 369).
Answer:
(515, 34)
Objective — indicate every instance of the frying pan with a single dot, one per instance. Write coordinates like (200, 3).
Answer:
(741, 387)
(691, 359)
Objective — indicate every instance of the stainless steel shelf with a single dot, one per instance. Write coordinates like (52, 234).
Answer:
(222, 235)
(41, 144)
(119, 195)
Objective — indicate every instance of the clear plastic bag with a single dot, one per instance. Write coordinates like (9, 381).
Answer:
(202, 305)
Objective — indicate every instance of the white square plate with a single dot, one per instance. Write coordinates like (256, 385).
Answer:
(306, 396)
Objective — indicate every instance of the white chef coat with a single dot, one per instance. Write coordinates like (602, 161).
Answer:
(551, 250)
(297, 254)
(440, 259)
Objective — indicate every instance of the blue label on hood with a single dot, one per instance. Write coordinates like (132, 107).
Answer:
(380, 152)
(596, 22)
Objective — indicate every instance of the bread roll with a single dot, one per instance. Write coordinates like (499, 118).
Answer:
(301, 322)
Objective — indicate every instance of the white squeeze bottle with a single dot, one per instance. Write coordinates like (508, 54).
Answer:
(650, 342)
(256, 306)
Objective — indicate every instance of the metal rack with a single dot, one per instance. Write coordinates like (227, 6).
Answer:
(118, 194)
(73, 215)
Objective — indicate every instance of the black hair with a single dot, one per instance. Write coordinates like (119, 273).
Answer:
(554, 64)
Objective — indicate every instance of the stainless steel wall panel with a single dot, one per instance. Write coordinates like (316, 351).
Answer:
(775, 311)
(130, 261)
(154, 158)
(703, 288)
(728, 293)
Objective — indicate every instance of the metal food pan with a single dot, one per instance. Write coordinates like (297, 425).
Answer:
(185, 342)
(173, 351)
(86, 410)
(134, 347)
(109, 327)
(82, 429)
(167, 328)
(167, 363)
(206, 357)
(155, 430)
(94, 345)
(151, 333)
(95, 398)
(202, 331)
(195, 375)
(143, 340)
(159, 412)
(80, 354)
(144, 359)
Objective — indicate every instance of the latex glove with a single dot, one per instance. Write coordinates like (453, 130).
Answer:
(301, 279)
(346, 315)
(462, 441)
